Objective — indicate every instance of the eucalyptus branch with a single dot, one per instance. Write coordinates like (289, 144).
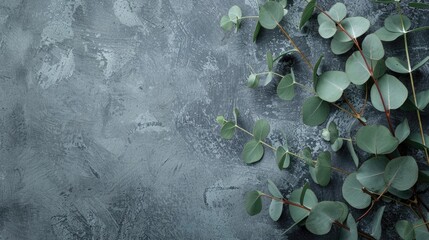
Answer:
(413, 90)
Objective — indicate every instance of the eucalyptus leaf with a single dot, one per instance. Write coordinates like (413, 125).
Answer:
(372, 47)
(352, 233)
(337, 145)
(421, 231)
(314, 111)
(402, 131)
(322, 216)
(228, 130)
(270, 14)
(275, 210)
(376, 139)
(304, 190)
(253, 81)
(401, 173)
(379, 68)
(397, 65)
(270, 61)
(386, 35)
(376, 223)
(268, 79)
(316, 67)
(355, 26)
(253, 202)
(393, 23)
(306, 14)
(371, 173)
(252, 152)
(394, 93)
(333, 132)
(321, 172)
(272, 188)
(221, 120)
(225, 23)
(338, 12)
(405, 230)
(235, 14)
(352, 152)
(321, 18)
(261, 129)
(286, 88)
(331, 85)
(256, 31)
(310, 200)
(282, 157)
(356, 69)
(338, 47)
(353, 194)
(344, 211)
(422, 99)
(421, 63)
(415, 140)
(327, 29)
(419, 5)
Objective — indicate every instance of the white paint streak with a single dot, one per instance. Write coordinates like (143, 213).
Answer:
(126, 13)
(56, 32)
(146, 122)
(52, 74)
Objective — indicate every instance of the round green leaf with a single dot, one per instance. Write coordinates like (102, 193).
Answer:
(282, 157)
(321, 173)
(327, 29)
(405, 229)
(422, 99)
(353, 194)
(394, 24)
(352, 234)
(272, 188)
(421, 231)
(394, 93)
(407, 194)
(338, 47)
(355, 26)
(314, 111)
(221, 120)
(270, 14)
(322, 216)
(333, 132)
(356, 69)
(376, 223)
(372, 47)
(261, 129)
(285, 89)
(338, 12)
(235, 14)
(386, 35)
(337, 145)
(225, 23)
(253, 81)
(371, 173)
(310, 200)
(376, 139)
(321, 18)
(397, 65)
(276, 209)
(228, 130)
(331, 85)
(253, 203)
(401, 173)
(379, 68)
(252, 151)
(402, 131)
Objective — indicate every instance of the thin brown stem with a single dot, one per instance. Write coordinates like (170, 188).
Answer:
(296, 47)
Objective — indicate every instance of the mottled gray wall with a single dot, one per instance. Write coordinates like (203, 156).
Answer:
(107, 115)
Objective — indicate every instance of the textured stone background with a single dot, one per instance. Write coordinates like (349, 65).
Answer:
(107, 115)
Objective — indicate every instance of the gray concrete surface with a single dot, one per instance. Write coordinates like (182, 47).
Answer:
(107, 115)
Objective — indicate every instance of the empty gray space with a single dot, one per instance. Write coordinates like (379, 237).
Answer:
(107, 118)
